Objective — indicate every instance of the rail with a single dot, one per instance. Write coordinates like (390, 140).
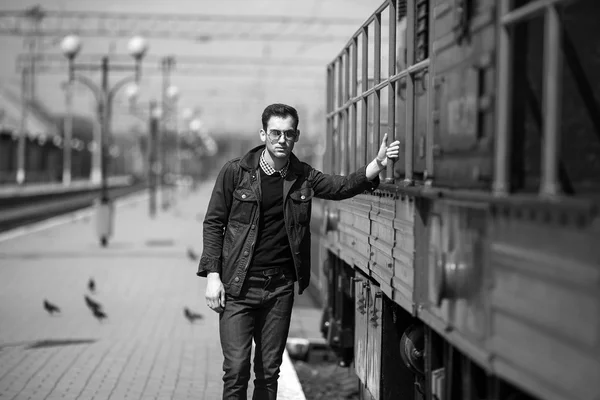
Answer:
(38, 189)
(344, 97)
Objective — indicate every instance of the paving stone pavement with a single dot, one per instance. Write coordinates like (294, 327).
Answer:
(145, 348)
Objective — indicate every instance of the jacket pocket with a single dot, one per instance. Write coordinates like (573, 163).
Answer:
(301, 204)
(244, 204)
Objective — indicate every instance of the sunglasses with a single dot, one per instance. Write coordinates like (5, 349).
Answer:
(275, 134)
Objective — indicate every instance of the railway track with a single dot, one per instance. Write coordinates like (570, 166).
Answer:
(16, 212)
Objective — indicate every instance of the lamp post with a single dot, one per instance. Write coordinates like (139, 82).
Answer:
(167, 65)
(71, 45)
(153, 162)
(194, 130)
(154, 170)
(186, 116)
(172, 98)
(22, 144)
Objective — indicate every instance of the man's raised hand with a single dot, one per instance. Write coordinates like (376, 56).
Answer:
(386, 151)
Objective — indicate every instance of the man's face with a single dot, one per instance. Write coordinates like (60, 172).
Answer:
(282, 146)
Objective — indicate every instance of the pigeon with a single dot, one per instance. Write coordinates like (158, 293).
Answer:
(92, 285)
(50, 308)
(99, 314)
(192, 254)
(191, 316)
(92, 305)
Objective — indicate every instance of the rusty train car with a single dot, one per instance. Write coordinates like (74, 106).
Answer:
(473, 271)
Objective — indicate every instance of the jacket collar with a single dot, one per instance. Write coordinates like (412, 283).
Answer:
(251, 160)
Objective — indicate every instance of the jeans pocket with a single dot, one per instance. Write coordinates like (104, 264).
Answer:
(282, 298)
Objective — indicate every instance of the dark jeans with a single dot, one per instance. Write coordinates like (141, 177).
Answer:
(263, 312)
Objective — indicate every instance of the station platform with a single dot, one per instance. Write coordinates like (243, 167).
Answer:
(145, 347)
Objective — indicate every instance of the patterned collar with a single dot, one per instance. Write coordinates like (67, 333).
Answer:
(267, 169)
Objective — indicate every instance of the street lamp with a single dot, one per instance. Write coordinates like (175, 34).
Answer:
(71, 45)
(197, 127)
(196, 124)
(187, 114)
(172, 92)
(156, 112)
(137, 47)
(132, 92)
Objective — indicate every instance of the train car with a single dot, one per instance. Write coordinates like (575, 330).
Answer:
(473, 271)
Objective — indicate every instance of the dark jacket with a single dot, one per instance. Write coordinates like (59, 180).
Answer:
(233, 212)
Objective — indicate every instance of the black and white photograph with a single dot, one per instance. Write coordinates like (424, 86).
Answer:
(300, 200)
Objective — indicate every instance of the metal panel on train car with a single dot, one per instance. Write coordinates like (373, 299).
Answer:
(382, 242)
(463, 90)
(354, 229)
(403, 252)
(354, 247)
(318, 251)
(374, 341)
(455, 299)
(361, 304)
(545, 303)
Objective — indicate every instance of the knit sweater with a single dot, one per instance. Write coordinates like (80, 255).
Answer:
(272, 247)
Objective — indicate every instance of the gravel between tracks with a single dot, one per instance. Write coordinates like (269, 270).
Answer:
(326, 380)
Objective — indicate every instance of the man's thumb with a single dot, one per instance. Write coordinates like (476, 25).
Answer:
(384, 140)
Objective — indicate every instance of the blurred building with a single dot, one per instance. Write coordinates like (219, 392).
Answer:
(44, 145)
(41, 130)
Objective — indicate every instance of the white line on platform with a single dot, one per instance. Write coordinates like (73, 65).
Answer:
(66, 218)
(289, 387)
(288, 384)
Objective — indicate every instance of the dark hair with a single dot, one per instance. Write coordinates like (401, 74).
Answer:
(279, 110)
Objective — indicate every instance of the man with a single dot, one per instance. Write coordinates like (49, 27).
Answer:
(257, 244)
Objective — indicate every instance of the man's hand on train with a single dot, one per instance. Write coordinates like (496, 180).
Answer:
(215, 292)
(386, 151)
